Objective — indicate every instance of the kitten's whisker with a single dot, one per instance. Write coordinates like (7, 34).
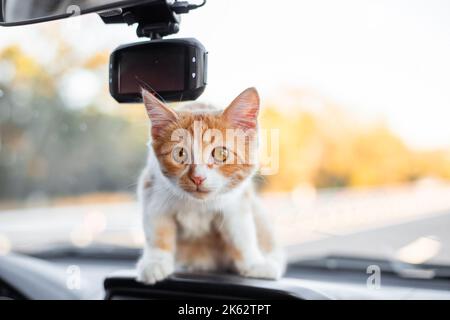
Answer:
(146, 86)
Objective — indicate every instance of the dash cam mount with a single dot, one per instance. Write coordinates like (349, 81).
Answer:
(155, 19)
(174, 69)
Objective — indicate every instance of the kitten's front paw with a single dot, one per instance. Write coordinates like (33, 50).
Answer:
(265, 270)
(154, 268)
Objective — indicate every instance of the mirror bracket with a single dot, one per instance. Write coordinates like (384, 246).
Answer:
(157, 31)
(155, 20)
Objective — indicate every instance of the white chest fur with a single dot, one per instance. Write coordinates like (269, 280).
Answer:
(195, 224)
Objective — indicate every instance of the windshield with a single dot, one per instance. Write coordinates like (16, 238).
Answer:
(356, 104)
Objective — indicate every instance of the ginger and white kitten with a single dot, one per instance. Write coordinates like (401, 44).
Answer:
(199, 206)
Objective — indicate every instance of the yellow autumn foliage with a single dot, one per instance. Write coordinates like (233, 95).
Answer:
(330, 148)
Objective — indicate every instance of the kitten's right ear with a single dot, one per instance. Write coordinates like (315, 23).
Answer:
(160, 115)
(243, 111)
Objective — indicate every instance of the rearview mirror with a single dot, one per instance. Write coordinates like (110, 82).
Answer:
(19, 12)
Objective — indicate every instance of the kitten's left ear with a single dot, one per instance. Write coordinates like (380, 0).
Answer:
(160, 115)
(243, 111)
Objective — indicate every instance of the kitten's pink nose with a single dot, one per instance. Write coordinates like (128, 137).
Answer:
(198, 180)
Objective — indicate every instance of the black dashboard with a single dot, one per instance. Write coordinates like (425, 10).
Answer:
(110, 275)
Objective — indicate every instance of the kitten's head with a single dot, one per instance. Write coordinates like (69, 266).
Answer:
(205, 152)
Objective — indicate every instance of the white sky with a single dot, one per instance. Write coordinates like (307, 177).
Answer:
(380, 58)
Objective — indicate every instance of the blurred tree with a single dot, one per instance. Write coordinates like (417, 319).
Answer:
(49, 149)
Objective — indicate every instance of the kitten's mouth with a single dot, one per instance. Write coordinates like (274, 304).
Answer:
(200, 193)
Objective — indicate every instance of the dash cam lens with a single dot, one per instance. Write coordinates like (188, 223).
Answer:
(162, 69)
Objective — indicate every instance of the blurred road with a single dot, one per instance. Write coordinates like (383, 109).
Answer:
(410, 223)
(421, 238)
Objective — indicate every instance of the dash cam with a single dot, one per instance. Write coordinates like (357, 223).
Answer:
(173, 69)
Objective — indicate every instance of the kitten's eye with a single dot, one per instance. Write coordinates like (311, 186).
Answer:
(179, 155)
(220, 154)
